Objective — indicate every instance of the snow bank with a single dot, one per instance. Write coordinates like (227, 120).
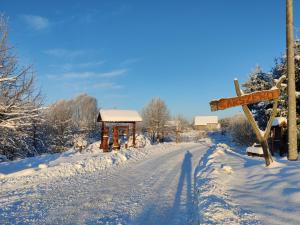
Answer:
(234, 188)
(212, 179)
(70, 163)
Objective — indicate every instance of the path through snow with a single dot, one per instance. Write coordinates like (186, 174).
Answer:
(157, 190)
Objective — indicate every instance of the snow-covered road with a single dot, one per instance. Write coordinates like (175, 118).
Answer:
(156, 190)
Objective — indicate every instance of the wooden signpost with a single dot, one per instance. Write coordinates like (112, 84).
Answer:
(244, 100)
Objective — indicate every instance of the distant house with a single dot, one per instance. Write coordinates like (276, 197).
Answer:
(206, 123)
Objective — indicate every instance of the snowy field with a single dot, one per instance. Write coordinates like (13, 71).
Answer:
(208, 182)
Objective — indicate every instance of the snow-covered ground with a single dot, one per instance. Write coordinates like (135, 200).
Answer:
(211, 181)
(236, 189)
(153, 185)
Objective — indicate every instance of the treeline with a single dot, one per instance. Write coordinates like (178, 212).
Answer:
(26, 127)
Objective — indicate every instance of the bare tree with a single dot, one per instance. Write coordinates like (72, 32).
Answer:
(18, 99)
(68, 119)
(60, 127)
(155, 116)
(85, 112)
(19, 102)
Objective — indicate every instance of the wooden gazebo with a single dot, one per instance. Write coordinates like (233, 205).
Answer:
(119, 119)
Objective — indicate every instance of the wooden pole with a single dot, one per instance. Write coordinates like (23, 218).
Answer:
(116, 144)
(133, 131)
(258, 132)
(292, 123)
(102, 133)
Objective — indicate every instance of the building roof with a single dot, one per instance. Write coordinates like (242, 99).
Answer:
(117, 115)
(204, 120)
(279, 121)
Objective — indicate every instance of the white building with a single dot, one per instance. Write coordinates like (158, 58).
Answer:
(206, 123)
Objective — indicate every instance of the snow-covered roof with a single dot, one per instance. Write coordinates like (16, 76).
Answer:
(278, 121)
(117, 115)
(204, 120)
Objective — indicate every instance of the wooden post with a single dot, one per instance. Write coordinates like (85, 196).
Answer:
(133, 131)
(105, 139)
(259, 135)
(116, 144)
(244, 100)
(292, 118)
(102, 133)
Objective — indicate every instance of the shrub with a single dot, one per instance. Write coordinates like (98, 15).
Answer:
(241, 131)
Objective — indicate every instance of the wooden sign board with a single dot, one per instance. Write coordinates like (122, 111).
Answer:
(245, 99)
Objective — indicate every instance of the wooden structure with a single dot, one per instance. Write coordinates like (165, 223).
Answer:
(278, 137)
(206, 123)
(245, 99)
(104, 139)
(117, 120)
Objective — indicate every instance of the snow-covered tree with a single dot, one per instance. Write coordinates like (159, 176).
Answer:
(18, 99)
(84, 112)
(258, 81)
(19, 102)
(280, 69)
(155, 117)
(66, 119)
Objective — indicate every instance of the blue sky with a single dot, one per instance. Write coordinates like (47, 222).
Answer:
(126, 52)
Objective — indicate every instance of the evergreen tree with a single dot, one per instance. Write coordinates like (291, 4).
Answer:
(258, 81)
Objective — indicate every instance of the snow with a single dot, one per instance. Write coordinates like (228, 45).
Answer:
(116, 115)
(210, 181)
(155, 187)
(65, 164)
(256, 149)
(233, 188)
(278, 121)
(213, 177)
(204, 120)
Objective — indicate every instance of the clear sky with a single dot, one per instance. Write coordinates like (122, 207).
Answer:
(126, 52)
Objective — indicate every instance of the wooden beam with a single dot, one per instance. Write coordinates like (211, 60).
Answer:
(102, 133)
(244, 99)
(133, 131)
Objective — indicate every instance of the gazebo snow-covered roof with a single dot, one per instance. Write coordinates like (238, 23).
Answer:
(204, 120)
(119, 116)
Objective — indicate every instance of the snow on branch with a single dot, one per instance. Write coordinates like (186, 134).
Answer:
(8, 79)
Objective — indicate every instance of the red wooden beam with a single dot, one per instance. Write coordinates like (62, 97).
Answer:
(245, 99)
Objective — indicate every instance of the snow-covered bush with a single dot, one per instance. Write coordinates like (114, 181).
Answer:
(141, 141)
(241, 130)
(80, 143)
